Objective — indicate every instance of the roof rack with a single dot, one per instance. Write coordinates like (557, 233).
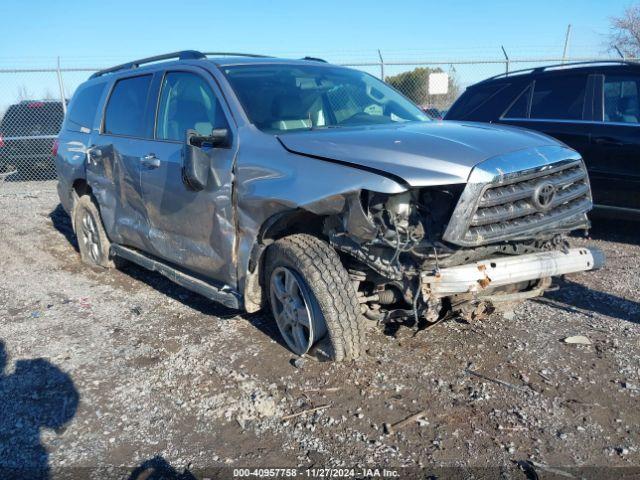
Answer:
(235, 54)
(315, 59)
(558, 65)
(181, 55)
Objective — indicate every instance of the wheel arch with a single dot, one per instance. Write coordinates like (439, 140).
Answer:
(79, 187)
(277, 226)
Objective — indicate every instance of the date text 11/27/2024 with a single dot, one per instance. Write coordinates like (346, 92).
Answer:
(315, 473)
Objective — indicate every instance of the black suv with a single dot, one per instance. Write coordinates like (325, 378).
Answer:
(27, 134)
(592, 107)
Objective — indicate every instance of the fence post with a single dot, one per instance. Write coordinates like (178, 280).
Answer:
(381, 65)
(506, 63)
(61, 87)
(566, 43)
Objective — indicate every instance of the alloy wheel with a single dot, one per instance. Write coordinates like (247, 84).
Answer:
(90, 237)
(295, 310)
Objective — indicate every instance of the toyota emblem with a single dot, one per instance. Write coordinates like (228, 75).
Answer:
(543, 195)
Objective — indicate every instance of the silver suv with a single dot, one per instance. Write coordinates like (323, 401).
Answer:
(317, 190)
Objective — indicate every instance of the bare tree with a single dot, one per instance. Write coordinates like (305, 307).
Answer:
(625, 32)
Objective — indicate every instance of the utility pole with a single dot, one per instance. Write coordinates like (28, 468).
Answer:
(566, 43)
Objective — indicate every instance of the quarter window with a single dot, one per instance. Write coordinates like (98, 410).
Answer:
(621, 99)
(82, 109)
(519, 108)
(474, 98)
(126, 108)
(559, 97)
(187, 103)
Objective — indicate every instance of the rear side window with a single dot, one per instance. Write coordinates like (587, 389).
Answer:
(474, 98)
(126, 107)
(32, 119)
(559, 97)
(621, 99)
(82, 109)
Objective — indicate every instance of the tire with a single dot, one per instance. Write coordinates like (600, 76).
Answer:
(92, 239)
(334, 325)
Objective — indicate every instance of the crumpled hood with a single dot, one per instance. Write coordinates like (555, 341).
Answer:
(421, 154)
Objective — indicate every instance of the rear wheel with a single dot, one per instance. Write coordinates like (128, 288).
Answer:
(312, 298)
(92, 239)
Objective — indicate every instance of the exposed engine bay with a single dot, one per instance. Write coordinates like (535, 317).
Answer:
(390, 242)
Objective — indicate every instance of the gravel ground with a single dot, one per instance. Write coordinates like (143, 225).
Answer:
(124, 369)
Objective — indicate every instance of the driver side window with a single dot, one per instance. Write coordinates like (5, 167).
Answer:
(187, 103)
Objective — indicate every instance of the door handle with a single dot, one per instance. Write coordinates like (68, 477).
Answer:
(150, 161)
(94, 154)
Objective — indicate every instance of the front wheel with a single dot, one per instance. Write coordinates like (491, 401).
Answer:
(312, 298)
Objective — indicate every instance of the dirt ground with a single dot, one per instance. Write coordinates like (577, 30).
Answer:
(120, 368)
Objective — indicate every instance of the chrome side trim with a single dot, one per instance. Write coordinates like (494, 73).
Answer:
(557, 120)
(616, 209)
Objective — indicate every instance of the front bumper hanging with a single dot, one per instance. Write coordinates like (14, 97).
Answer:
(479, 276)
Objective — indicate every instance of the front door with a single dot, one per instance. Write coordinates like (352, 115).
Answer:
(557, 105)
(615, 162)
(191, 229)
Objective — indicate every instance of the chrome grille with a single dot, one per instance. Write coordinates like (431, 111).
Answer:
(515, 205)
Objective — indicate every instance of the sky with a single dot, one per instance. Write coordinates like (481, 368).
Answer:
(100, 31)
(92, 33)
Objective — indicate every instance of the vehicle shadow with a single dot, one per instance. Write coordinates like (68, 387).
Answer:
(62, 222)
(36, 395)
(615, 230)
(571, 296)
(260, 320)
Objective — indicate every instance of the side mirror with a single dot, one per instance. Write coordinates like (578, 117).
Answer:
(195, 163)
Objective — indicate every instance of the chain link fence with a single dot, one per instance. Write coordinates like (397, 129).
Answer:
(33, 101)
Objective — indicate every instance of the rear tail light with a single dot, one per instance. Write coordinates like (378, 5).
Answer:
(35, 105)
(1, 141)
(54, 148)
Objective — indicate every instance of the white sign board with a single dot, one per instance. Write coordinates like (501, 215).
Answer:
(438, 83)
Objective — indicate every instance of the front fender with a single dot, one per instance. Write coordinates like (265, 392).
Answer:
(272, 181)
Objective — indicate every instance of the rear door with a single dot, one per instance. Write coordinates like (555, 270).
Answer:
(557, 105)
(615, 164)
(192, 229)
(114, 161)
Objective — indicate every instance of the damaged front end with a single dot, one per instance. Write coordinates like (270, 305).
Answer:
(467, 248)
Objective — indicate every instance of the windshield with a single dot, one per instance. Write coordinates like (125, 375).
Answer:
(282, 98)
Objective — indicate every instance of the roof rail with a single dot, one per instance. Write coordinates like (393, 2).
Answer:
(557, 65)
(315, 59)
(235, 54)
(181, 55)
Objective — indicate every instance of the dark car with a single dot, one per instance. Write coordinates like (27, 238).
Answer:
(592, 107)
(434, 113)
(27, 134)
